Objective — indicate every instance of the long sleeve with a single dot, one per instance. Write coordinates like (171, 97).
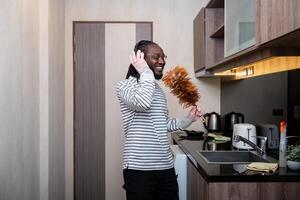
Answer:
(144, 111)
(138, 96)
(174, 124)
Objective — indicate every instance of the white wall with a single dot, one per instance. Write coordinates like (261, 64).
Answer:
(52, 99)
(44, 96)
(56, 100)
(32, 100)
(19, 100)
(173, 30)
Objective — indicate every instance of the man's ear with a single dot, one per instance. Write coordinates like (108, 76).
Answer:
(146, 59)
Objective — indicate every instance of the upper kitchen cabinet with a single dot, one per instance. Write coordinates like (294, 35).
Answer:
(208, 38)
(240, 19)
(199, 41)
(276, 18)
(229, 34)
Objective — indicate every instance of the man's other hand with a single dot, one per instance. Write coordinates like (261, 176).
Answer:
(195, 113)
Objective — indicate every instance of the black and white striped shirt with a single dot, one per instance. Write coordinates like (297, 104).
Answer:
(146, 124)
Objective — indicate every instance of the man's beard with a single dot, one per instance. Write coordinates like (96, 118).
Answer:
(156, 76)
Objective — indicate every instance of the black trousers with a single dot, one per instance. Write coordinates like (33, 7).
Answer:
(150, 185)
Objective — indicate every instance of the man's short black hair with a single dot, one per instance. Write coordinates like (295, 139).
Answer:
(141, 45)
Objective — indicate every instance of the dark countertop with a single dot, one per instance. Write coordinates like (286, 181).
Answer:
(227, 172)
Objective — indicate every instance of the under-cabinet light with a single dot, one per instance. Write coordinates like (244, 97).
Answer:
(262, 67)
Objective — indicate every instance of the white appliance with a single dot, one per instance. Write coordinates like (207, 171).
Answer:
(245, 130)
(180, 165)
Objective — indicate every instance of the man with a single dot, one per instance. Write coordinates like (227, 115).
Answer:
(148, 167)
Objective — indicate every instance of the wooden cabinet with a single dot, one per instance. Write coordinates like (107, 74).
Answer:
(208, 38)
(199, 41)
(276, 18)
(199, 189)
(276, 28)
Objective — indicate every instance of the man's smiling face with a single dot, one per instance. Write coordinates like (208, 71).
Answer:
(155, 59)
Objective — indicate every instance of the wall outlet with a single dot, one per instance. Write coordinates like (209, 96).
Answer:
(277, 112)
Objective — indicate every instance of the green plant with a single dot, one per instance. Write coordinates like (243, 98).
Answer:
(293, 153)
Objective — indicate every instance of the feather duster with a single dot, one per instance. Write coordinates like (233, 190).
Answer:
(181, 86)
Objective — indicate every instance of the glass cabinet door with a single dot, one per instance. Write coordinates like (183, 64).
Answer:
(239, 29)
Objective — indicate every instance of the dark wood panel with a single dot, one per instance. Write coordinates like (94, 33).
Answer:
(250, 191)
(279, 191)
(199, 41)
(215, 4)
(219, 33)
(197, 187)
(208, 50)
(143, 31)
(290, 41)
(232, 191)
(276, 18)
(214, 18)
(89, 111)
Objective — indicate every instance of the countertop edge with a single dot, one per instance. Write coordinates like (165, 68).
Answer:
(229, 178)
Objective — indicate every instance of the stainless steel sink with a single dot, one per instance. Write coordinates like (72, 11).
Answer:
(231, 157)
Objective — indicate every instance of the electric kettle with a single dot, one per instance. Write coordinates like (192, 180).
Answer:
(212, 122)
(231, 119)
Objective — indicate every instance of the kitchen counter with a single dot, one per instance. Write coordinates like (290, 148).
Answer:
(227, 172)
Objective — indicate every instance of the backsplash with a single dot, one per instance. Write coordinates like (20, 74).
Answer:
(265, 99)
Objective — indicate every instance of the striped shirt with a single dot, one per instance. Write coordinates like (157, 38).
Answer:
(146, 124)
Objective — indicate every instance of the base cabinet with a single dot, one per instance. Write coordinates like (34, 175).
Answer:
(199, 189)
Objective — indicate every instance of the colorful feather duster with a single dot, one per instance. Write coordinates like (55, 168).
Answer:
(181, 86)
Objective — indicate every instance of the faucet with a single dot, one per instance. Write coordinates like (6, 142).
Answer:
(261, 151)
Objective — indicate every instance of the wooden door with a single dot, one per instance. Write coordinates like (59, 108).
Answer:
(101, 59)
(89, 113)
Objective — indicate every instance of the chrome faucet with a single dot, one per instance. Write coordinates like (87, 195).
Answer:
(261, 151)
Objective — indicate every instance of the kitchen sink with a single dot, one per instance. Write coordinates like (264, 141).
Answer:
(230, 157)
